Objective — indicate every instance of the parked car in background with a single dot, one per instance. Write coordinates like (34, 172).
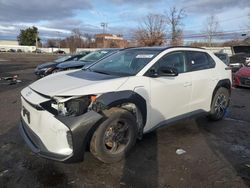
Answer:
(247, 61)
(238, 60)
(2, 50)
(48, 68)
(19, 50)
(242, 76)
(223, 57)
(11, 50)
(59, 52)
(86, 60)
(116, 100)
(38, 51)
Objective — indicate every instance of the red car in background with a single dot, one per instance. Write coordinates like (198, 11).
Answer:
(242, 76)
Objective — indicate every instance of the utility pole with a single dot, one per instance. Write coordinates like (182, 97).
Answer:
(104, 27)
(37, 40)
(59, 40)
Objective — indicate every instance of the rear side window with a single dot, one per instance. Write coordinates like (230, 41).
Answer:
(199, 61)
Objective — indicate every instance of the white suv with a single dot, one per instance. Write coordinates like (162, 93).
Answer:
(110, 104)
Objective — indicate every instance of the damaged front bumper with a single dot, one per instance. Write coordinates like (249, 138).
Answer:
(61, 138)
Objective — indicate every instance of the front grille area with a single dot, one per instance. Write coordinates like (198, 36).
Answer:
(245, 80)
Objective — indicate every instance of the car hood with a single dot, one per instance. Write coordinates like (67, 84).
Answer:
(46, 65)
(244, 71)
(72, 64)
(80, 82)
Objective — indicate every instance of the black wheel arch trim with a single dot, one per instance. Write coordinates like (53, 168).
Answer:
(226, 83)
(81, 129)
(113, 99)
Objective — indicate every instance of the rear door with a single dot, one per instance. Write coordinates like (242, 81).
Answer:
(204, 79)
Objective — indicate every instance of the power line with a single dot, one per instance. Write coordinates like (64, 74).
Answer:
(220, 21)
(216, 34)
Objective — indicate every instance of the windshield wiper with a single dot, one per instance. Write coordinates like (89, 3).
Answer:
(101, 72)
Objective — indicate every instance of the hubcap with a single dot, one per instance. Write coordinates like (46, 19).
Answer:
(116, 137)
(220, 105)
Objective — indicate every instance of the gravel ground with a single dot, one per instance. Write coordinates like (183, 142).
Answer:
(217, 153)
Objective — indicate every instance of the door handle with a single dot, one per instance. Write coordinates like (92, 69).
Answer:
(186, 84)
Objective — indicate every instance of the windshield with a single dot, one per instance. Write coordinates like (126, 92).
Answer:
(96, 55)
(62, 59)
(125, 62)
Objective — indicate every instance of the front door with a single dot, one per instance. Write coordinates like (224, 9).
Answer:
(170, 95)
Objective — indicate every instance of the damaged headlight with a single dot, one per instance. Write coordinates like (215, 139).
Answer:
(71, 106)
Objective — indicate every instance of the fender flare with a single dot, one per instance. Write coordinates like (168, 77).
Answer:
(226, 83)
(112, 99)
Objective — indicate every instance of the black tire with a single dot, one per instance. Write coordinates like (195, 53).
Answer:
(219, 104)
(106, 144)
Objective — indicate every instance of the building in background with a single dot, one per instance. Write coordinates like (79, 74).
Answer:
(9, 42)
(110, 41)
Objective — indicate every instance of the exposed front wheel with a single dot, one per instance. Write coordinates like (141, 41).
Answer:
(114, 138)
(219, 104)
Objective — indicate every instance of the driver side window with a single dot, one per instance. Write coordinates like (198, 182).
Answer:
(174, 60)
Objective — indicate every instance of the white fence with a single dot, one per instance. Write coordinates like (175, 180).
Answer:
(17, 47)
(227, 50)
(43, 50)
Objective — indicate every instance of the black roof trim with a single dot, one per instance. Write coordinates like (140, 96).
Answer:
(162, 48)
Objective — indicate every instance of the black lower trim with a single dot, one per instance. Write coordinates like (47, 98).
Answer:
(179, 118)
(226, 83)
(81, 130)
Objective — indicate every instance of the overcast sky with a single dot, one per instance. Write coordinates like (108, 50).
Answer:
(56, 18)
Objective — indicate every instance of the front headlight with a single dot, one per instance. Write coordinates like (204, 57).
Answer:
(46, 69)
(74, 107)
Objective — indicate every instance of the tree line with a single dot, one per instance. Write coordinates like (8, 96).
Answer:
(152, 30)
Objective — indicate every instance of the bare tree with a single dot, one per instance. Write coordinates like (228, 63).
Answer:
(88, 42)
(51, 43)
(151, 32)
(211, 28)
(77, 33)
(174, 19)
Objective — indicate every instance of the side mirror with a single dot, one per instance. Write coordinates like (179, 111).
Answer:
(163, 71)
(168, 71)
